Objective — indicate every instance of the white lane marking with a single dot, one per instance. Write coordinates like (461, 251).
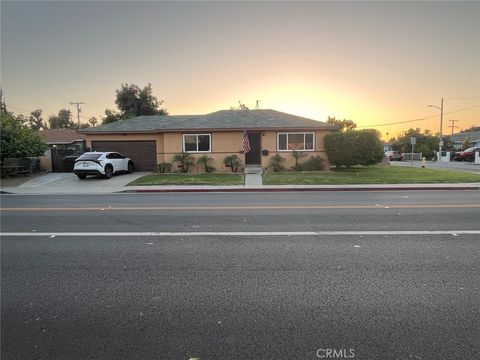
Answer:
(247, 233)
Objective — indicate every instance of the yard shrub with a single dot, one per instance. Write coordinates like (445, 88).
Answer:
(276, 162)
(17, 140)
(185, 160)
(356, 147)
(298, 155)
(164, 168)
(233, 162)
(203, 160)
(315, 163)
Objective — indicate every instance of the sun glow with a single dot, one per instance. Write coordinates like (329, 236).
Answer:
(314, 101)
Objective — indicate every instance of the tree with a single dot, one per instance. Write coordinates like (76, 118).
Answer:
(17, 140)
(62, 121)
(343, 125)
(93, 121)
(35, 120)
(473, 128)
(426, 143)
(111, 116)
(354, 147)
(133, 101)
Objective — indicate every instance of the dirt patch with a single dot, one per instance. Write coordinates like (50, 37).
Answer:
(18, 180)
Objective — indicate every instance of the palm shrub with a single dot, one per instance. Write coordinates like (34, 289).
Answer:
(185, 160)
(164, 168)
(276, 163)
(203, 160)
(298, 155)
(233, 162)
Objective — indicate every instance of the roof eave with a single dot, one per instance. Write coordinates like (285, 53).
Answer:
(159, 131)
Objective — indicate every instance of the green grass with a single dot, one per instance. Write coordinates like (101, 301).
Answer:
(190, 179)
(371, 175)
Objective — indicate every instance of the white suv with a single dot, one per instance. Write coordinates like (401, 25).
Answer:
(102, 163)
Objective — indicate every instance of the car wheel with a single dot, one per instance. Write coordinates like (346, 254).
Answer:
(130, 167)
(108, 171)
(81, 176)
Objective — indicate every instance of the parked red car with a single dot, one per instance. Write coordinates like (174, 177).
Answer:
(467, 155)
(393, 155)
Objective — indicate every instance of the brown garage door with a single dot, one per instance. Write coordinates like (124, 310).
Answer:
(143, 153)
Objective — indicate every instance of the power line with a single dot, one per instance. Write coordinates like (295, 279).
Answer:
(420, 119)
(463, 98)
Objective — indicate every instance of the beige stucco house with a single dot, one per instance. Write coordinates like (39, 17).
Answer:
(151, 140)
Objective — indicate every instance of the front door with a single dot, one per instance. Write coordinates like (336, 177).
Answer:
(253, 156)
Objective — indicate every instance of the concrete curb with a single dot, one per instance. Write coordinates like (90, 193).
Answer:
(306, 189)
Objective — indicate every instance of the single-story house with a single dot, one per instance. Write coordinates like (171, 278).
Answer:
(152, 140)
(61, 143)
(472, 138)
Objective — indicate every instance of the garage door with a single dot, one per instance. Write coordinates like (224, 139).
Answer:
(143, 153)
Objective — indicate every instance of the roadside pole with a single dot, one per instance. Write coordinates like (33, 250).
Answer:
(413, 140)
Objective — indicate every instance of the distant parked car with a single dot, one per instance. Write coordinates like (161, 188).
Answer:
(393, 155)
(102, 163)
(467, 155)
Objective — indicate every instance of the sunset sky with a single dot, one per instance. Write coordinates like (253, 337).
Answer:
(372, 62)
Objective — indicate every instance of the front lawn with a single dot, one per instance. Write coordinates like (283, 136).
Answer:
(371, 175)
(190, 179)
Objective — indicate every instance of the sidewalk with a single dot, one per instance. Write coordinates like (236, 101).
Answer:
(68, 184)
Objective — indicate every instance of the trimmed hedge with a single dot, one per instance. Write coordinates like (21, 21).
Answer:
(356, 147)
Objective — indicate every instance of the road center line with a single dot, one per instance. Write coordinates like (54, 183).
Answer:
(240, 207)
(239, 233)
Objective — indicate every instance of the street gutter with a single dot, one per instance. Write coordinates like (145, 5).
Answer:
(295, 188)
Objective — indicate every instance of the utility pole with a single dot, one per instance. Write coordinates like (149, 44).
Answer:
(78, 110)
(453, 124)
(3, 107)
(440, 143)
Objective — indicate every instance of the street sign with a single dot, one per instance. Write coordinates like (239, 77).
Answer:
(413, 140)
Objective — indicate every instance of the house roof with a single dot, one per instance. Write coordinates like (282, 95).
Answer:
(60, 136)
(221, 121)
(473, 136)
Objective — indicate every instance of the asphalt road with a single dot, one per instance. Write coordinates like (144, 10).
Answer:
(165, 292)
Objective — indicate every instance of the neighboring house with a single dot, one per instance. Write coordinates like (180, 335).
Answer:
(387, 147)
(460, 139)
(61, 143)
(151, 140)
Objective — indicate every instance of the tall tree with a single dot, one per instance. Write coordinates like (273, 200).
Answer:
(111, 116)
(17, 140)
(35, 120)
(132, 101)
(343, 125)
(63, 120)
(426, 143)
(93, 121)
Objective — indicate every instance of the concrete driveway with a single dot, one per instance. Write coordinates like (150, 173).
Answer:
(68, 183)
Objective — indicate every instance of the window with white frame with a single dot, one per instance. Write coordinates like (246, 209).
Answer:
(197, 143)
(298, 141)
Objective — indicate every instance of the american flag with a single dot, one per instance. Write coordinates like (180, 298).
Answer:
(245, 142)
